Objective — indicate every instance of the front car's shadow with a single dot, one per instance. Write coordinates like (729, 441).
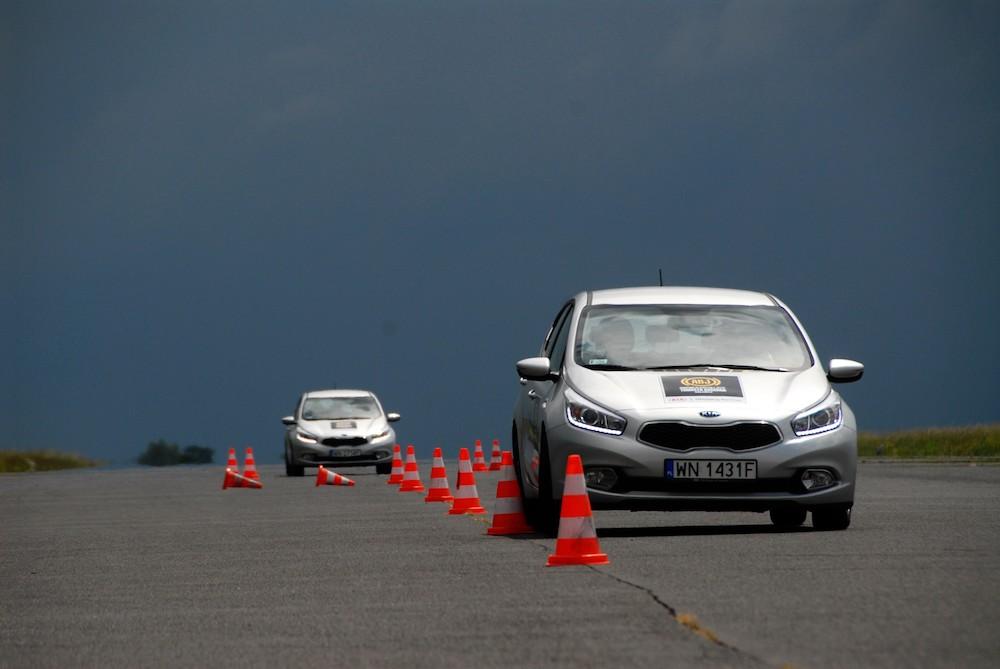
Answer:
(697, 530)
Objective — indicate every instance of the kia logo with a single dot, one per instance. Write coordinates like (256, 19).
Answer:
(709, 414)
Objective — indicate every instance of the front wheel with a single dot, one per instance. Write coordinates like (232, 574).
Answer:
(383, 468)
(788, 518)
(831, 519)
(290, 469)
(543, 513)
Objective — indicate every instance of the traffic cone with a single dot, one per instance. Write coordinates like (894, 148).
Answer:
(231, 460)
(478, 463)
(466, 495)
(577, 540)
(236, 480)
(325, 476)
(439, 491)
(411, 475)
(508, 514)
(496, 459)
(396, 476)
(250, 466)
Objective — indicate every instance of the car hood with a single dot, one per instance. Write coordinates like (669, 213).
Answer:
(346, 427)
(738, 395)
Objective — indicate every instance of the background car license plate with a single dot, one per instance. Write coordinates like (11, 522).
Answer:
(344, 453)
(710, 469)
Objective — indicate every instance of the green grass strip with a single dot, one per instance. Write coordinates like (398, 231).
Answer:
(975, 441)
(41, 461)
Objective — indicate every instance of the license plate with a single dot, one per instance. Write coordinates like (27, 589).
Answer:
(344, 453)
(711, 470)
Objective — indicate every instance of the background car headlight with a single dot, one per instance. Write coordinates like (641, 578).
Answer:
(586, 415)
(307, 438)
(828, 416)
(378, 436)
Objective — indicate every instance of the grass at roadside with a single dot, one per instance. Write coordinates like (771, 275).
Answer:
(40, 461)
(975, 441)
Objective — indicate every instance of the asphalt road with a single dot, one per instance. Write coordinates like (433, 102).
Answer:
(159, 567)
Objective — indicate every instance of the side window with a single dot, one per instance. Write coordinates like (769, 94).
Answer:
(555, 347)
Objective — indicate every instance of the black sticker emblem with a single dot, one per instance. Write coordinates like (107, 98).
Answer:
(702, 387)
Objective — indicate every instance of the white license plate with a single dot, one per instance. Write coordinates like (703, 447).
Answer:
(710, 470)
(345, 453)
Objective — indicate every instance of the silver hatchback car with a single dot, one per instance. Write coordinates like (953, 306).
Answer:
(702, 399)
(339, 428)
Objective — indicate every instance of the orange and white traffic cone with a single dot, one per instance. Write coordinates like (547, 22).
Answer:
(478, 463)
(577, 540)
(236, 480)
(496, 459)
(396, 476)
(411, 475)
(508, 514)
(231, 461)
(466, 495)
(326, 477)
(438, 491)
(250, 466)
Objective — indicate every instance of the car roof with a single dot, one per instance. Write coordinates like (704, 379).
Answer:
(344, 392)
(680, 295)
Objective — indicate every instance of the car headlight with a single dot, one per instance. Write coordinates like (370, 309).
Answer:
(378, 436)
(586, 415)
(827, 416)
(305, 437)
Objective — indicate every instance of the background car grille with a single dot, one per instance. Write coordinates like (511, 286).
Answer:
(684, 437)
(345, 441)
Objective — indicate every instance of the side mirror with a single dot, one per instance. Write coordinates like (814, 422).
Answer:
(288, 420)
(392, 416)
(536, 369)
(844, 371)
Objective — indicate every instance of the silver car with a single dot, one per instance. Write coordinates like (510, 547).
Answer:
(686, 399)
(339, 428)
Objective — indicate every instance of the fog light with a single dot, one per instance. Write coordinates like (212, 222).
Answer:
(381, 454)
(602, 478)
(813, 479)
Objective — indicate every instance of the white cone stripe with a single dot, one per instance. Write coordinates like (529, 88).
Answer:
(439, 483)
(575, 485)
(507, 505)
(577, 528)
(466, 492)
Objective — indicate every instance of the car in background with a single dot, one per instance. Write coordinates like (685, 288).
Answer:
(339, 428)
(701, 399)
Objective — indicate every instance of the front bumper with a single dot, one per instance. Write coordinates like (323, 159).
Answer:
(642, 485)
(364, 455)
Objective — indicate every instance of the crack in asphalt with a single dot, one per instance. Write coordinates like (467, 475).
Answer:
(691, 625)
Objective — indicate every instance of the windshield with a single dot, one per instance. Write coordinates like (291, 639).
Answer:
(627, 337)
(332, 408)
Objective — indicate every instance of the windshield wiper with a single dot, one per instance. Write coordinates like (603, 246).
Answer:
(714, 366)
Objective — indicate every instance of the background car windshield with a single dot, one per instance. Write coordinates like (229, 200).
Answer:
(650, 336)
(330, 408)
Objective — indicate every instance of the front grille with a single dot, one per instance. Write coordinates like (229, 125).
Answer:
(684, 437)
(345, 441)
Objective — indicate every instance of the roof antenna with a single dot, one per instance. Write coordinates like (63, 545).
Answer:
(661, 277)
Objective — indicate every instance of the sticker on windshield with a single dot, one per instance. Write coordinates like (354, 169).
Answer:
(597, 361)
(702, 387)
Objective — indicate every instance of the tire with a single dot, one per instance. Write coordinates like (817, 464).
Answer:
(383, 468)
(528, 506)
(290, 469)
(837, 518)
(788, 517)
(545, 515)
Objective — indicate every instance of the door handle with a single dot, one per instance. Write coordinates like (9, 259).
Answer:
(532, 394)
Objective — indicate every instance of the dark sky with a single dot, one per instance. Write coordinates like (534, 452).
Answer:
(209, 207)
